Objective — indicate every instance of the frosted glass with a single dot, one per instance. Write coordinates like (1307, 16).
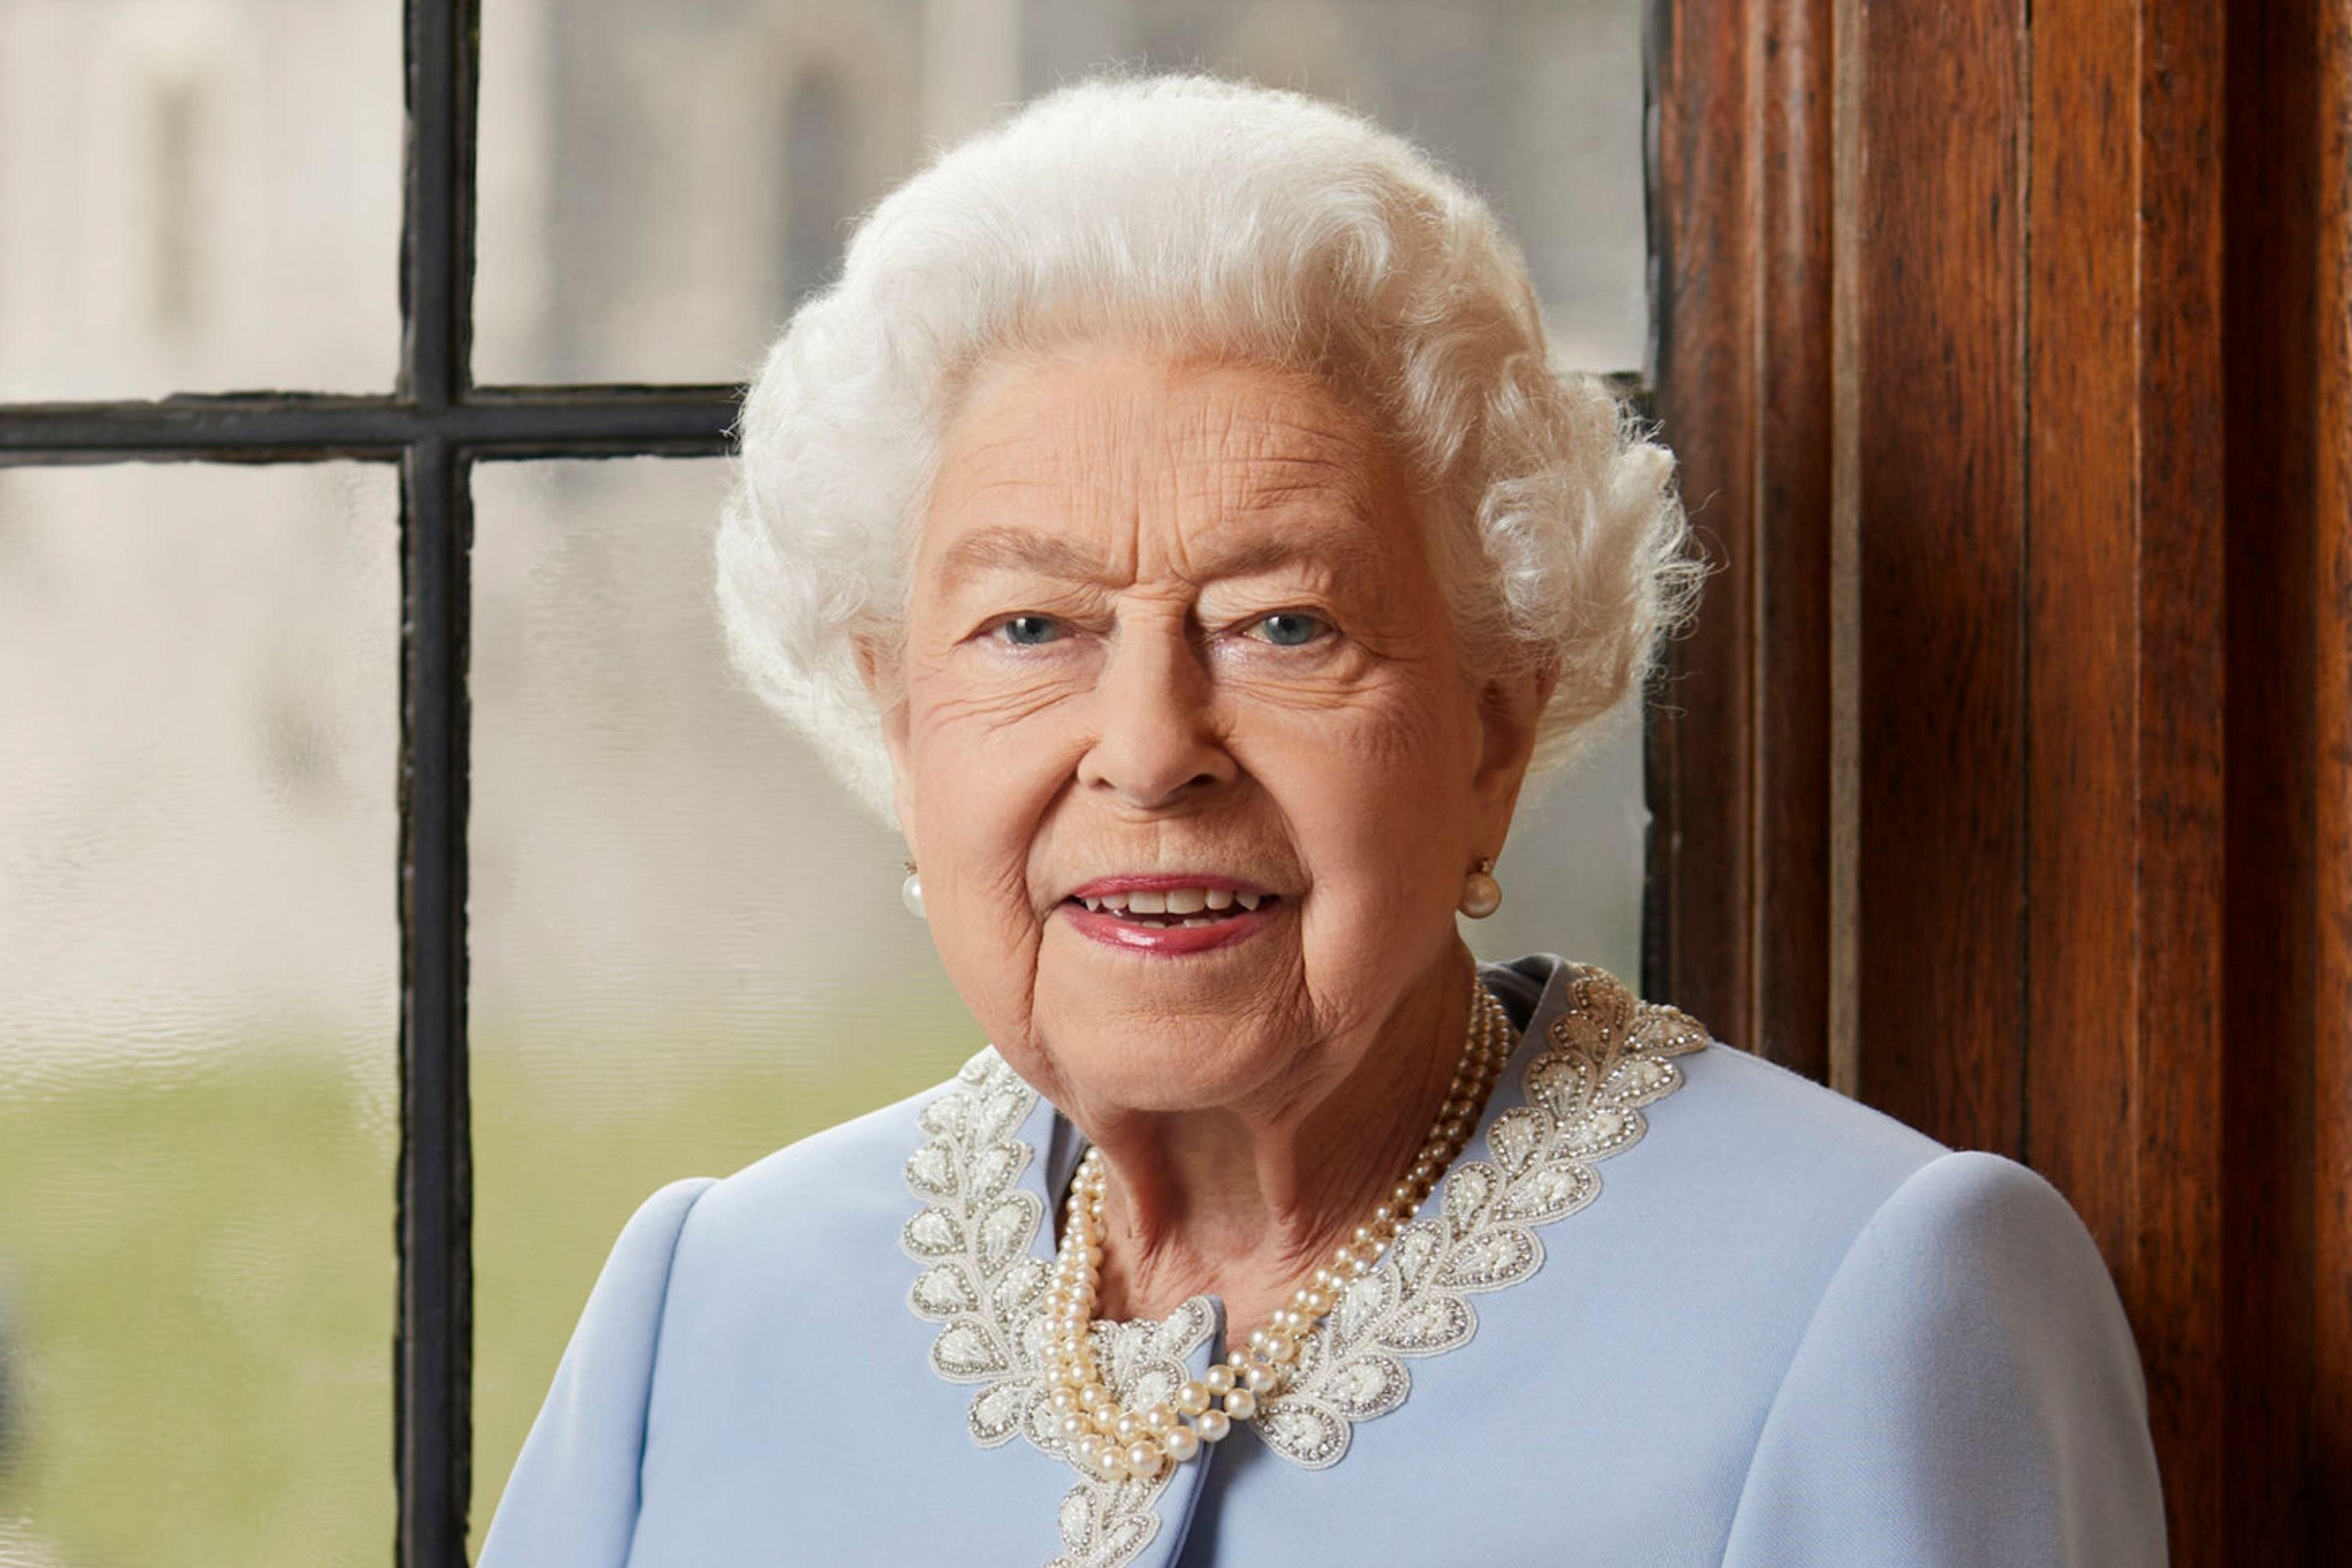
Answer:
(1572, 870)
(660, 184)
(198, 1014)
(198, 195)
(687, 945)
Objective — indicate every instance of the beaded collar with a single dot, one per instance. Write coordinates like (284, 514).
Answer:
(1605, 1056)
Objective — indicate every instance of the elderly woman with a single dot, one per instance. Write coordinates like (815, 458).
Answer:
(1171, 517)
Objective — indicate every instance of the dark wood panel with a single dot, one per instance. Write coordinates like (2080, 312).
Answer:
(2100, 453)
(2125, 688)
(1702, 746)
(2168, 1262)
(2271, 899)
(2331, 857)
(1704, 245)
(1790, 686)
(1940, 883)
(2083, 631)
(1740, 749)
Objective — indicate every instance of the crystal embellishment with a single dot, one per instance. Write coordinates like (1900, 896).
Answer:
(1606, 1056)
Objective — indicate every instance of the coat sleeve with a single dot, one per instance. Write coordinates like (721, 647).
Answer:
(1965, 1395)
(571, 1499)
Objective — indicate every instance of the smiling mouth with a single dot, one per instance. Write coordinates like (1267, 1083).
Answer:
(1177, 907)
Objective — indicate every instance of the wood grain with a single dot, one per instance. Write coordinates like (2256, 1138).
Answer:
(2168, 1255)
(1941, 882)
(1788, 680)
(2125, 687)
(2083, 630)
(1740, 751)
(2331, 858)
(1701, 751)
(2270, 1260)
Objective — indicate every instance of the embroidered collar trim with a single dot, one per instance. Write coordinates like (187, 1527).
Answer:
(1606, 1056)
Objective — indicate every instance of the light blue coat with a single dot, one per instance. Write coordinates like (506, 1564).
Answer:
(1771, 1327)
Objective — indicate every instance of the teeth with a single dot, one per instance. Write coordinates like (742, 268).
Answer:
(1183, 905)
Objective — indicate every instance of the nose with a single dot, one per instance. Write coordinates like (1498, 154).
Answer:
(1156, 743)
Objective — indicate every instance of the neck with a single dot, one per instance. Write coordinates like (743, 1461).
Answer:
(1247, 1201)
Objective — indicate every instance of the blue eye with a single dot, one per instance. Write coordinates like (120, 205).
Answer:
(1029, 631)
(1289, 628)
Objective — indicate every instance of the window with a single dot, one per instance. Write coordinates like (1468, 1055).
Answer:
(393, 888)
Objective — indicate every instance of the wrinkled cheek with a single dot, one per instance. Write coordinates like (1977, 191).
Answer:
(977, 822)
(990, 952)
(1375, 835)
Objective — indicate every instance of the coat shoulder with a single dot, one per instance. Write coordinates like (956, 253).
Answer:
(842, 1181)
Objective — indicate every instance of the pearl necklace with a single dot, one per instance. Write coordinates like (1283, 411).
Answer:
(1114, 1444)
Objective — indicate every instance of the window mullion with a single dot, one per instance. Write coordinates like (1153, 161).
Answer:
(437, 278)
(434, 1352)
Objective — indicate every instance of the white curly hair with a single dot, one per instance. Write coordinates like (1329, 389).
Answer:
(1199, 217)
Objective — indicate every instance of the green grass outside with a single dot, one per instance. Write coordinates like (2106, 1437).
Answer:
(196, 1271)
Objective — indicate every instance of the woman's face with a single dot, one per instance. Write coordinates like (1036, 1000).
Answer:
(1175, 643)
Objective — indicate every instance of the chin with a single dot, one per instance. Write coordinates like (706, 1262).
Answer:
(1162, 1064)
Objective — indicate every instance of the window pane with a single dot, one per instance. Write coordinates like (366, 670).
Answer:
(687, 945)
(662, 183)
(198, 195)
(1572, 871)
(198, 1014)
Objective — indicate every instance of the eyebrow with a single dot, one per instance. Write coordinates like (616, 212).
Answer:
(1011, 549)
(1015, 550)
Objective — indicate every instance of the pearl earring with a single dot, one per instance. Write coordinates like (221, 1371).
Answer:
(911, 892)
(1481, 894)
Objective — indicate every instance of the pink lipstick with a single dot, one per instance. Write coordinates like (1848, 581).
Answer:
(1171, 914)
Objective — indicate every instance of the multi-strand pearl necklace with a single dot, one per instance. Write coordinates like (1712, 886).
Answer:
(1115, 1444)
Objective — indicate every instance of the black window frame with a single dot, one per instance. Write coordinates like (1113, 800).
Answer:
(437, 424)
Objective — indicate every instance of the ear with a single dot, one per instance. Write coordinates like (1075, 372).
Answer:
(878, 668)
(1510, 711)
